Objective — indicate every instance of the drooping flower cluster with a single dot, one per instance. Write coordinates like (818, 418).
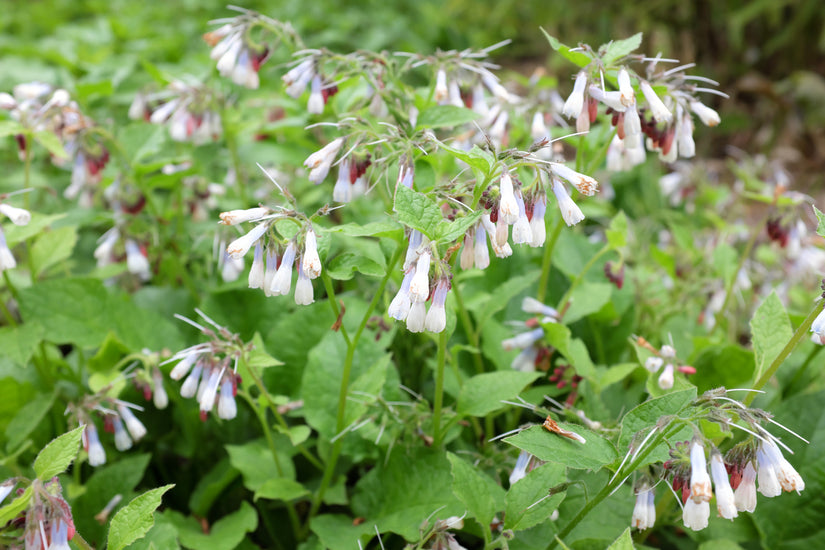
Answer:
(39, 108)
(47, 523)
(652, 111)
(211, 368)
(274, 261)
(189, 109)
(409, 304)
(754, 464)
(116, 414)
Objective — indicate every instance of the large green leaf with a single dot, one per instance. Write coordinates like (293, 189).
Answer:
(617, 49)
(135, 519)
(255, 462)
(551, 447)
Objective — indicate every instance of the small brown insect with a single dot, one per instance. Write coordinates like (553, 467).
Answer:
(551, 426)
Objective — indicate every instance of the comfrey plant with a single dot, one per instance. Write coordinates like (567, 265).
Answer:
(429, 189)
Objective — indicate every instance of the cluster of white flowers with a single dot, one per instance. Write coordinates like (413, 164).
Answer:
(661, 123)
(272, 267)
(40, 108)
(206, 368)
(188, 109)
(235, 54)
(409, 304)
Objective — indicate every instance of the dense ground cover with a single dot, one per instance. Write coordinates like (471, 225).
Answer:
(317, 285)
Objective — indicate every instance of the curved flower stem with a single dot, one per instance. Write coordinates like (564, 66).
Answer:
(547, 258)
(786, 351)
(336, 309)
(329, 470)
(439, 388)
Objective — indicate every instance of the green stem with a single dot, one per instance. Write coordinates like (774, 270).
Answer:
(438, 403)
(801, 332)
(590, 263)
(329, 470)
(333, 304)
(261, 414)
(611, 486)
(547, 258)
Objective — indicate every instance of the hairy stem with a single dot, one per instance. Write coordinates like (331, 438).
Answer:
(547, 259)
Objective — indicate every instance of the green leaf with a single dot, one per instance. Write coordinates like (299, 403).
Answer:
(771, 331)
(625, 541)
(729, 366)
(483, 393)
(322, 378)
(18, 233)
(552, 447)
(296, 434)
(118, 478)
(52, 143)
(280, 488)
(587, 298)
(84, 311)
(647, 415)
(447, 232)
(343, 266)
(27, 419)
(616, 373)
(522, 507)
(820, 228)
(558, 336)
(385, 228)
(442, 116)
(578, 58)
(482, 496)
(58, 455)
(18, 343)
(617, 231)
(254, 461)
(210, 486)
(225, 534)
(135, 519)
(13, 508)
(398, 494)
(475, 157)
(617, 49)
(258, 357)
(417, 211)
(52, 247)
(10, 128)
(337, 531)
